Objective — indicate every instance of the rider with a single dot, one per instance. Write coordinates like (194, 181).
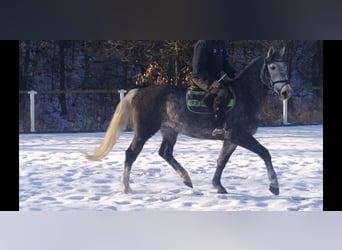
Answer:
(209, 60)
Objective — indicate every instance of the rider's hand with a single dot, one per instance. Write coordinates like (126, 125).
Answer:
(216, 84)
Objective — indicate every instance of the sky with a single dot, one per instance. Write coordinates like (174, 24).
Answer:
(55, 175)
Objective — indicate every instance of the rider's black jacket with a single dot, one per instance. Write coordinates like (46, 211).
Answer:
(208, 61)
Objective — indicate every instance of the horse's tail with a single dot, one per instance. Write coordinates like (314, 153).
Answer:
(119, 122)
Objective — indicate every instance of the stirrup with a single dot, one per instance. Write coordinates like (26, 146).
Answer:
(218, 131)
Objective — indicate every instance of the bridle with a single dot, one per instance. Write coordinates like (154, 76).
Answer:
(268, 79)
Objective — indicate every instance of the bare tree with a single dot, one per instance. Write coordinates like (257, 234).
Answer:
(61, 97)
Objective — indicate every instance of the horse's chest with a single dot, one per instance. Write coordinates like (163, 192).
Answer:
(244, 115)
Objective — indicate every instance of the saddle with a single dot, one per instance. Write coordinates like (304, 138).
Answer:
(195, 101)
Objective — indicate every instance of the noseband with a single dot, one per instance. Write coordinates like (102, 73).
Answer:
(266, 78)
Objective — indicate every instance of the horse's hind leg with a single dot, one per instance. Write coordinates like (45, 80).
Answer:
(166, 152)
(226, 151)
(247, 141)
(131, 155)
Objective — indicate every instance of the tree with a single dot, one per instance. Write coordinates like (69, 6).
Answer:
(62, 99)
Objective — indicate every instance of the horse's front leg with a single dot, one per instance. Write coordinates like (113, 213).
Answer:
(243, 139)
(226, 151)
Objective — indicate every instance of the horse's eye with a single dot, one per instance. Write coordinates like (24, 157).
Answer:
(272, 66)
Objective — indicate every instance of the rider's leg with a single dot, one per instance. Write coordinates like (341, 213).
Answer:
(220, 102)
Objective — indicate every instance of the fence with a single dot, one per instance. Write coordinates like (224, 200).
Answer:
(122, 92)
(32, 94)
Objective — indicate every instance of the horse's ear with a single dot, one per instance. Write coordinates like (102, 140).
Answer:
(270, 54)
(282, 51)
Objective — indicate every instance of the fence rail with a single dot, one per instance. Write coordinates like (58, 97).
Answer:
(122, 92)
(32, 94)
(108, 91)
(88, 91)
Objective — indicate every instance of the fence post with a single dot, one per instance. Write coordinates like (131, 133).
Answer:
(285, 112)
(32, 107)
(122, 93)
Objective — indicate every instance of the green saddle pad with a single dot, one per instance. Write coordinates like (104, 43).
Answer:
(195, 104)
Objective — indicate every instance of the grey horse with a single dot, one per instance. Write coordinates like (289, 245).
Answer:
(163, 108)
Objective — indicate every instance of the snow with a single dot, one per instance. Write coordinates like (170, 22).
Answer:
(55, 175)
(93, 213)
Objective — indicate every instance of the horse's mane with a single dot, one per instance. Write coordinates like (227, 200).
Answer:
(246, 68)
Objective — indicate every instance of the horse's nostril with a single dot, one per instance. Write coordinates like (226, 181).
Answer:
(284, 95)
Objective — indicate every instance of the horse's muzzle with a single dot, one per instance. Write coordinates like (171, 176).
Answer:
(285, 92)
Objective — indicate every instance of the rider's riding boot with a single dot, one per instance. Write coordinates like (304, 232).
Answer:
(219, 115)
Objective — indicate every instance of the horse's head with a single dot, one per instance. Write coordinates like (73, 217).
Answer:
(274, 73)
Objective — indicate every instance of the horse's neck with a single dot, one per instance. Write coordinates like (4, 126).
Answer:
(249, 81)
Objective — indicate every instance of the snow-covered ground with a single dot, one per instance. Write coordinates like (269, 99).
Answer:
(55, 176)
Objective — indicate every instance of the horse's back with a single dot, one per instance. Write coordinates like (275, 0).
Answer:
(154, 97)
(152, 104)
(165, 107)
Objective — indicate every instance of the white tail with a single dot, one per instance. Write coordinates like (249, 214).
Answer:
(119, 122)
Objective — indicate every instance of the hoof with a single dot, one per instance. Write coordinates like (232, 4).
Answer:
(222, 191)
(187, 183)
(128, 191)
(220, 188)
(274, 190)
